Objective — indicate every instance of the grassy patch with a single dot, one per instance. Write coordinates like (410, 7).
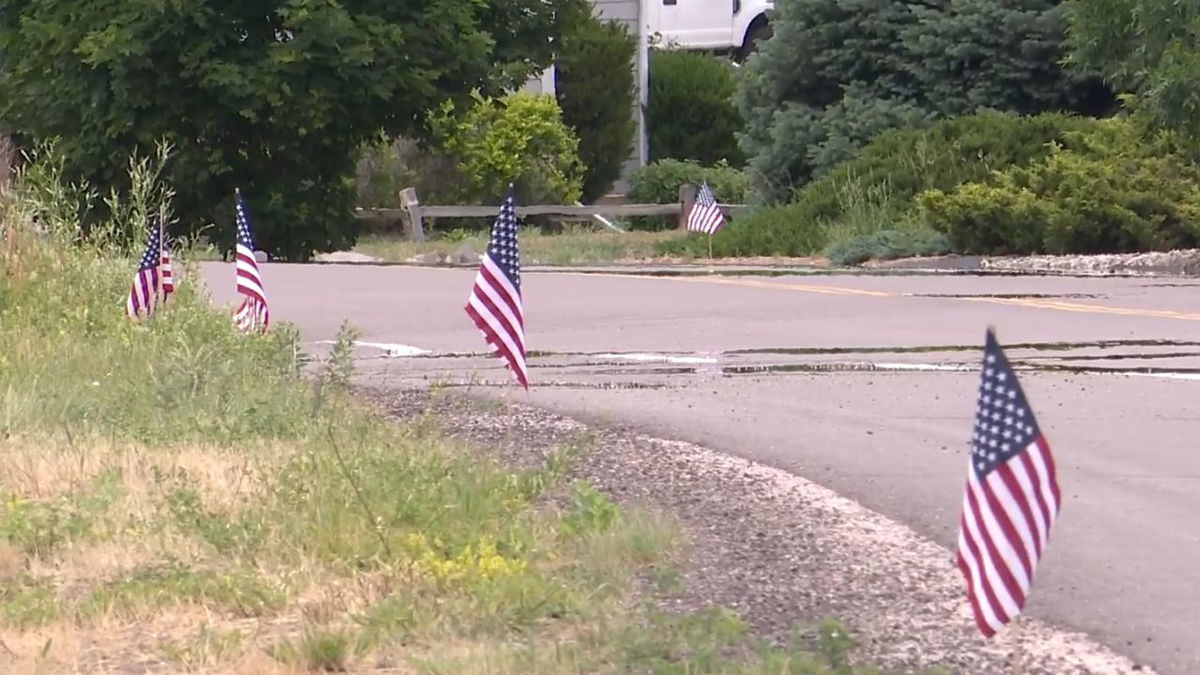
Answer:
(575, 246)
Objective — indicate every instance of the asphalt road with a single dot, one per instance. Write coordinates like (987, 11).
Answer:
(865, 384)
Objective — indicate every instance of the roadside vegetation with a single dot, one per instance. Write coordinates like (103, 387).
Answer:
(177, 496)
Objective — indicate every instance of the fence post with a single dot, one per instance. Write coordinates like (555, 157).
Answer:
(687, 199)
(414, 227)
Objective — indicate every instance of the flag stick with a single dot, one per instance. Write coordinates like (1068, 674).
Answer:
(710, 246)
(159, 296)
(1018, 647)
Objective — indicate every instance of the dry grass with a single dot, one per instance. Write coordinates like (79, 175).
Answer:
(577, 246)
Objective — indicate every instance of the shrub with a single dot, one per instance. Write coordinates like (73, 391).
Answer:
(767, 230)
(690, 111)
(518, 139)
(658, 183)
(595, 87)
(389, 165)
(1112, 188)
(835, 73)
(898, 165)
(875, 190)
(887, 245)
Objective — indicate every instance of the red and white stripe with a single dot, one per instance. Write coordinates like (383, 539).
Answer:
(705, 218)
(1005, 525)
(166, 272)
(253, 311)
(495, 307)
(142, 293)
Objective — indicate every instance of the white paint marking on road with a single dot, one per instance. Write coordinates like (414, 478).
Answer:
(634, 356)
(1170, 376)
(392, 349)
(925, 367)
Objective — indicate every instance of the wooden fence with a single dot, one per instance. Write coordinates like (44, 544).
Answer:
(413, 213)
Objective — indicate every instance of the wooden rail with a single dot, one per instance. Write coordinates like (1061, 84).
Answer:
(414, 213)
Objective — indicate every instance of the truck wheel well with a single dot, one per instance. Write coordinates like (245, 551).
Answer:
(758, 30)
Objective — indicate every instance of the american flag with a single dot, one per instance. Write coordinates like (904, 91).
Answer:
(253, 311)
(495, 301)
(705, 215)
(1012, 497)
(143, 294)
(168, 276)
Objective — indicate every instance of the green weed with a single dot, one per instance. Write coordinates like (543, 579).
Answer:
(329, 650)
(173, 584)
(207, 648)
(27, 601)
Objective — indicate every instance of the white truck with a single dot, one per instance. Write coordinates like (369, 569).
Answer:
(736, 26)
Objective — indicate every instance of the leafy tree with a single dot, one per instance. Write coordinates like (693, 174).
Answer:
(518, 139)
(690, 111)
(1144, 46)
(837, 72)
(272, 96)
(595, 86)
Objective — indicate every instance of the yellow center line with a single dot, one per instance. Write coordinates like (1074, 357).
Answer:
(807, 288)
(1089, 309)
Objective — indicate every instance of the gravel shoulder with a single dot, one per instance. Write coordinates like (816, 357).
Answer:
(774, 547)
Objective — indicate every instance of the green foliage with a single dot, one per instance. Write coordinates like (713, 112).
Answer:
(897, 165)
(28, 601)
(172, 583)
(328, 650)
(659, 183)
(837, 73)
(387, 166)
(591, 511)
(595, 87)
(272, 96)
(1110, 189)
(846, 208)
(39, 528)
(886, 245)
(764, 230)
(690, 112)
(520, 139)
(1147, 47)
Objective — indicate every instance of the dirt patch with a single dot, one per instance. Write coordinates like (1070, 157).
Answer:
(776, 548)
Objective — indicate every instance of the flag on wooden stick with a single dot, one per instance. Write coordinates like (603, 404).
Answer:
(495, 303)
(1012, 497)
(705, 215)
(253, 312)
(147, 280)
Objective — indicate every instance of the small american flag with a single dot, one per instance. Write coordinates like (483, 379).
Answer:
(253, 311)
(495, 301)
(143, 294)
(1012, 497)
(168, 276)
(705, 215)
